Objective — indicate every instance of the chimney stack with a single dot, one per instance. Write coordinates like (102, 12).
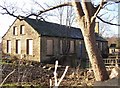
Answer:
(97, 27)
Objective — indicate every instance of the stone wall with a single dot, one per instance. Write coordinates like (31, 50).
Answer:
(30, 33)
(70, 59)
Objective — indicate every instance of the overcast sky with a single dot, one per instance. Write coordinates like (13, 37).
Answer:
(28, 5)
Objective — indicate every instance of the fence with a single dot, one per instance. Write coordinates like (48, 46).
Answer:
(112, 61)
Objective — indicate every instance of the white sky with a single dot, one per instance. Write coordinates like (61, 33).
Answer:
(28, 5)
(6, 20)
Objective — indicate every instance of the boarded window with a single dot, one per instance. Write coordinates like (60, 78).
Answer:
(72, 47)
(22, 29)
(18, 46)
(61, 47)
(101, 45)
(80, 49)
(97, 44)
(105, 48)
(8, 46)
(49, 47)
(80, 45)
(29, 48)
(15, 30)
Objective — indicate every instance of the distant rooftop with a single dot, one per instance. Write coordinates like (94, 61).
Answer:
(113, 45)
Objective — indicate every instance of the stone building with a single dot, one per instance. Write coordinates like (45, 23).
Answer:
(43, 41)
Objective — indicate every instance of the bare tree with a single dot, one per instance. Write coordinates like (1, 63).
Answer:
(105, 28)
(64, 15)
(86, 14)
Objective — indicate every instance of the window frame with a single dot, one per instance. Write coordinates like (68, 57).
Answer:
(15, 30)
(28, 48)
(18, 46)
(22, 29)
(9, 46)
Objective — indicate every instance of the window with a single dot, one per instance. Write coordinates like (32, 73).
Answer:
(49, 47)
(18, 47)
(72, 47)
(29, 48)
(97, 44)
(101, 45)
(80, 48)
(8, 46)
(22, 29)
(15, 30)
(61, 47)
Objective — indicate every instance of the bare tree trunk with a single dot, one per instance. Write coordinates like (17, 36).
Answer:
(94, 54)
(87, 24)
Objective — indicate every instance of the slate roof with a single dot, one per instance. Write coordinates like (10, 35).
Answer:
(55, 30)
(99, 38)
(113, 46)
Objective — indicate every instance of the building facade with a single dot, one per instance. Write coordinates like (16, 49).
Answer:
(41, 41)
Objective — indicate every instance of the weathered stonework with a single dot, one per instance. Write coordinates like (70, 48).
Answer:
(30, 33)
(39, 32)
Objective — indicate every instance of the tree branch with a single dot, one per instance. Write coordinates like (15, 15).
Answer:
(55, 72)
(58, 6)
(99, 7)
(106, 1)
(38, 4)
(97, 10)
(7, 12)
(76, 4)
(107, 22)
(34, 14)
(63, 75)
(85, 9)
(78, 8)
(6, 78)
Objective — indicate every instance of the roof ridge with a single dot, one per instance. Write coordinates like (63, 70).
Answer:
(54, 29)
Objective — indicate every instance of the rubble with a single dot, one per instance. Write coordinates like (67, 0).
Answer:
(115, 73)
